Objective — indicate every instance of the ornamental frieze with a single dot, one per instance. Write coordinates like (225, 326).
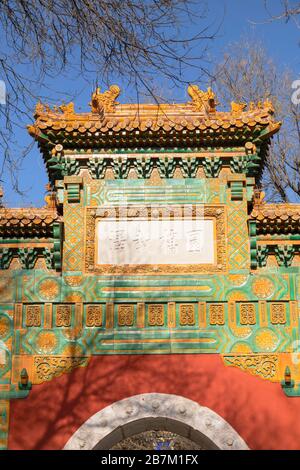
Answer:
(48, 367)
(265, 366)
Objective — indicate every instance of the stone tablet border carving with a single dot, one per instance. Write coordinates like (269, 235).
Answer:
(162, 411)
(215, 212)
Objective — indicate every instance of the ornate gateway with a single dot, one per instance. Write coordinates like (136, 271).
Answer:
(154, 240)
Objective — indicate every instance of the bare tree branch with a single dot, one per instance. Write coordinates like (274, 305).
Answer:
(247, 74)
(290, 10)
(130, 40)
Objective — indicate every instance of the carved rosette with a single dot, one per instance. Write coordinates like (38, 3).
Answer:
(48, 289)
(262, 287)
(46, 342)
(266, 340)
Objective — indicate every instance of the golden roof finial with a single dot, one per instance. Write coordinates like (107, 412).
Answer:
(258, 196)
(39, 109)
(67, 108)
(268, 106)
(237, 108)
(50, 199)
(105, 101)
(202, 100)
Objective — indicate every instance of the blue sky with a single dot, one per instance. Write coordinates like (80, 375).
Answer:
(235, 17)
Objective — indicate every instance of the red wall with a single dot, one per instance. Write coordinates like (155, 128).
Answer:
(258, 410)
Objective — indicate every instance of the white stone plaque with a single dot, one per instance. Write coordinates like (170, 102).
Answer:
(155, 241)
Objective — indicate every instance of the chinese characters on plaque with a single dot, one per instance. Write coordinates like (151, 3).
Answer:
(140, 241)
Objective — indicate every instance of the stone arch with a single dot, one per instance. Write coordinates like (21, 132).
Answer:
(150, 411)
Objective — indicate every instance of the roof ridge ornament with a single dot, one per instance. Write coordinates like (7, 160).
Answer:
(50, 197)
(268, 106)
(237, 108)
(106, 101)
(64, 108)
(258, 197)
(67, 108)
(202, 100)
(41, 108)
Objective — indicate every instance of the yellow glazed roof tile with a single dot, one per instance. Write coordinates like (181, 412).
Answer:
(107, 115)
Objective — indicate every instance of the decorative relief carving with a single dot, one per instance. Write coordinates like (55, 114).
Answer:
(33, 315)
(73, 281)
(236, 295)
(247, 314)
(238, 279)
(110, 313)
(48, 367)
(141, 315)
(156, 315)
(264, 366)
(74, 236)
(262, 287)
(48, 289)
(178, 212)
(48, 309)
(171, 314)
(202, 100)
(72, 334)
(63, 315)
(202, 314)
(4, 325)
(18, 315)
(237, 108)
(217, 314)
(187, 314)
(238, 246)
(266, 340)
(94, 315)
(105, 101)
(294, 313)
(74, 297)
(278, 313)
(46, 342)
(125, 315)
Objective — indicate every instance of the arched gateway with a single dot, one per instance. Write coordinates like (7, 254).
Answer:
(150, 411)
(155, 266)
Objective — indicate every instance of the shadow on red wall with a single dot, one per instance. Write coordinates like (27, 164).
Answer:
(258, 410)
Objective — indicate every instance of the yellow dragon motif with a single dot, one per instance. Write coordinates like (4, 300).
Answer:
(105, 101)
